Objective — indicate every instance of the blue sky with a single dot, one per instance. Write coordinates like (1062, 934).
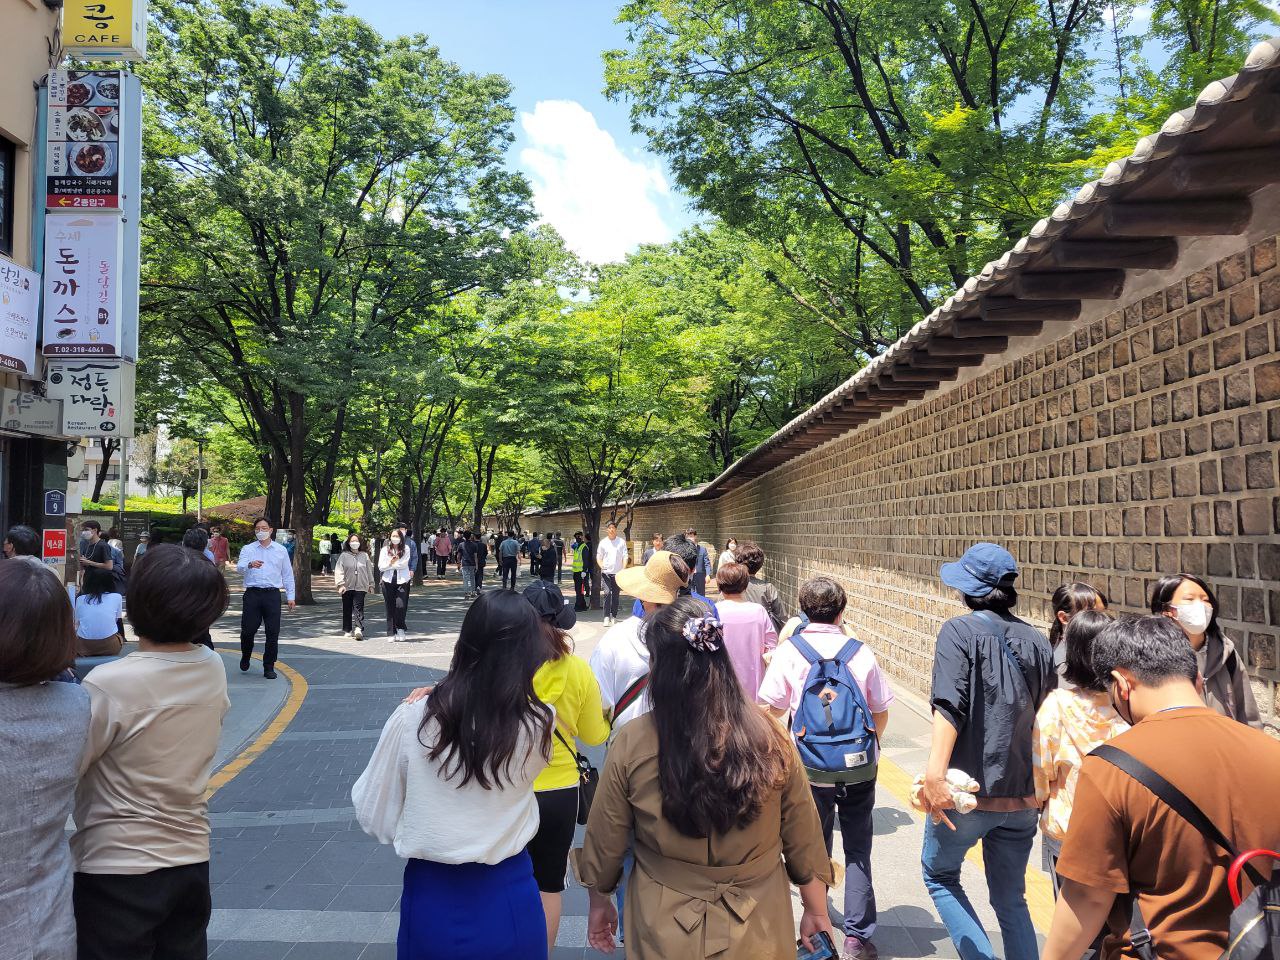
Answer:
(593, 179)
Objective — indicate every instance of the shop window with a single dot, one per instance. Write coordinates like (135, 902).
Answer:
(7, 162)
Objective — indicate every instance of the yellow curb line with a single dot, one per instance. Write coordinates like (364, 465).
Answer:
(1039, 890)
(293, 703)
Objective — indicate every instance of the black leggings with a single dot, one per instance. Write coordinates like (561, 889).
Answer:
(549, 848)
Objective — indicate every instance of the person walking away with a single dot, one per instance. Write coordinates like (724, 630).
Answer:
(655, 544)
(565, 683)
(21, 541)
(760, 590)
(702, 569)
(548, 559)
(396, 574)
(1128, 856)
(45, 727)
(267, 571)
(1188, 601)
(611, 555)
(220, 546)
(1073, 720)
(444, 550)
(482, 558)
(558, 542)
(467, 560)
(99, 614)
(450, 785)
(1068, 600)
(508, 560)
(353, 578)
(326, 555)
(991, 672)
(726, 555)
(686, 550)
(141, 844)
(579, 552)
(749, 636)
(704, 843)
(796, 675)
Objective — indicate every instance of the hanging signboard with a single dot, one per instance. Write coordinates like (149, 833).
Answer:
(82, 166)
(28, 413)
(19, 309)
(82, 256)
(55, 547)
(96, 395)
(105, 29)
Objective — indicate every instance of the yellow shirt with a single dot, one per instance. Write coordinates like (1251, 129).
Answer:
(569, 685)
(1069, 724)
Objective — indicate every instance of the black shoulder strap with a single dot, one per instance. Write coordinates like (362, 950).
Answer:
(1002, 635)
(1178, 801)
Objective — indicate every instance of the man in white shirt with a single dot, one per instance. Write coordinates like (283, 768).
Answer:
(267, 570)
(611, 555)
(621, 660)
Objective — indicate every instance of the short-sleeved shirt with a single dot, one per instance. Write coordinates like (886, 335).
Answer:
(993, 709)
(783, 685)
(96, 618)
(509, 548)
(1123, 839)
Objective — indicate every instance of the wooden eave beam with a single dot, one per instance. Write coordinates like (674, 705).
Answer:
(1227, 169)
(919, 358)
(907, 375)
(1068, 284)
(974, 327)
(1178, 218)
(1155, 253)
(946, 347)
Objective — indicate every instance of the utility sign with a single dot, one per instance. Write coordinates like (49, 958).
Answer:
(55, 547)
(55, 503)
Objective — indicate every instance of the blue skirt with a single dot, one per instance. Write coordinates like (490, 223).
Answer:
(460, 911)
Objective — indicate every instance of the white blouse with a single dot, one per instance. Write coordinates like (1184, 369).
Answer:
(402, 799)
(395, 571)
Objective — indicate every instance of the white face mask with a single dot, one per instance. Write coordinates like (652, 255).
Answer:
(395, 540)
(355, 544)
(1194, 615)
(263, 535)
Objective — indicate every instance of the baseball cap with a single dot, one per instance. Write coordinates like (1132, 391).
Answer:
(549, 601)
(983, 567)
(655, 582)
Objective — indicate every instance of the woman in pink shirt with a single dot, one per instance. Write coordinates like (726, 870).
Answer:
(749, 634)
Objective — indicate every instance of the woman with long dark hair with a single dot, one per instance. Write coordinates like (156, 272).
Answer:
(353, 576)
(450, 785)
(1190, 602)
(717, 800)
(99, 615)
(1068, 600)
(397, 574)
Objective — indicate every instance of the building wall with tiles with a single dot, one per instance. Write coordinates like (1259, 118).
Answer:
(1144, 442)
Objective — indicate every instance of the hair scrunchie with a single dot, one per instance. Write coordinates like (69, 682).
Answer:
(704, 634)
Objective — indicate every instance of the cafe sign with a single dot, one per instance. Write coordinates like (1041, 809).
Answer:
(82, 302)
(105, 29)
(19, 317)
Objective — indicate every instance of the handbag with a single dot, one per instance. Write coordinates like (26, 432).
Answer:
(588, 778)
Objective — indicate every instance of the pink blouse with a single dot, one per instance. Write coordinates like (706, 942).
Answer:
(748, 635)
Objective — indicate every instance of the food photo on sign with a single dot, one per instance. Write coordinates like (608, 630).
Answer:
(83, 165)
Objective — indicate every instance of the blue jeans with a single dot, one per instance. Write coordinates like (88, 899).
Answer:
(1006, 847)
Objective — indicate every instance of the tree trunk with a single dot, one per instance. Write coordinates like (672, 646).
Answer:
(275, 492)
(109, 447)
(591, 514)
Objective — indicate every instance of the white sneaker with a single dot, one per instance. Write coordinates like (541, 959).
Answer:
(400, 635)
(359, 634)
(346, 635)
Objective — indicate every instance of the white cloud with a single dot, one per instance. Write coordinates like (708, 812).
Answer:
(603, 202)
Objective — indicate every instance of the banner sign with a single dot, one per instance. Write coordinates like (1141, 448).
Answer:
(28, 413)
(82, 168)
(19, 310)
(82, 257)
(105, 29)
(55, 547)
(97, 396)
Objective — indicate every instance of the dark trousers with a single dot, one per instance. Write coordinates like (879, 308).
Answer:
(260, 607)
(610, 594)
(507, 566)
(548, 574)
(855, 803)
(396, 598)
(441, 564)
(579, 586)
(699, 582)
(160, 915)
(479, 576)
(353, 610)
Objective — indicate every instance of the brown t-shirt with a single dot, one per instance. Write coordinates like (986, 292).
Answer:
(1123, 839)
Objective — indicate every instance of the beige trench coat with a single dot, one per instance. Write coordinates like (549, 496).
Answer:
(725, 897)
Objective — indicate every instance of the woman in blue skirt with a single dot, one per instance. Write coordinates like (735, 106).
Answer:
(450, 785)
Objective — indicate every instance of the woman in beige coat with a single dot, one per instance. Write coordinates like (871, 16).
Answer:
(353, 576)
(720, 809)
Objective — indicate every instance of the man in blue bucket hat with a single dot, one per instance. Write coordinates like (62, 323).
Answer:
(991, 671)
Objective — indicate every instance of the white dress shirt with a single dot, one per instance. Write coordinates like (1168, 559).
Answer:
(612, 555)
(276, 570)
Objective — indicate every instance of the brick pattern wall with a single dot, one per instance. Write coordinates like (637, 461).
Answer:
(1140, 444)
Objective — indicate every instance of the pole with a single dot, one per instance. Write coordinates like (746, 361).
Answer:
(199, 481)
(124, 483)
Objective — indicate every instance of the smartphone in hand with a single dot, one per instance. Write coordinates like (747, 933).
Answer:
(824, 948)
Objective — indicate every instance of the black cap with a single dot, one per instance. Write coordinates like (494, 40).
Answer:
(550, 604)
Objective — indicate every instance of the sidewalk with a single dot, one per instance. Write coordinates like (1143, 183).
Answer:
(294, 876)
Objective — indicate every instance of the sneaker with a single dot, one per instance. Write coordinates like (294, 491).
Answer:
(856, 949)
(346, 635)
(359, 634)
(244, 664)
(269, 673)
(401, 636)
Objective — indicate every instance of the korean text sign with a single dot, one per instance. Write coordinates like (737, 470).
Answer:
(96, 395)
(97, 29)
(82, 256)
(82, 167)
(19, 307)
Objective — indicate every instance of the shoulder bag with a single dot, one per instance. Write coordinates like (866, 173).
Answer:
(588, 777)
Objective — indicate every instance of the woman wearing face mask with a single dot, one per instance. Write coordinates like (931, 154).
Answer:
(393, 561)
(1190, 602)
(353, 576)
(726, 556)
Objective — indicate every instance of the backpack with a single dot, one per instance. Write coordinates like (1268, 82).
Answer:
(1254, 926)
(833, 728)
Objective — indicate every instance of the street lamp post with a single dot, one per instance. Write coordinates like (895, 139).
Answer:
(200, 480)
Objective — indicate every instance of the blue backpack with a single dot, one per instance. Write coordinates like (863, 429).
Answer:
(832, 727)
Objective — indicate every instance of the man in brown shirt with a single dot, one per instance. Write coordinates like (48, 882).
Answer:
(1124, 842)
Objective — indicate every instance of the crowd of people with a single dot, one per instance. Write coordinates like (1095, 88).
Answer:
(738, 735)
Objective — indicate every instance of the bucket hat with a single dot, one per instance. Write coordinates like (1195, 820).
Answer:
(655, 582)
(983, 567)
